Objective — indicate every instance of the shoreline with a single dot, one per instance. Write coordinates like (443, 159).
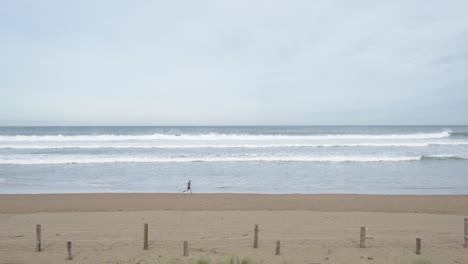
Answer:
(109, 202)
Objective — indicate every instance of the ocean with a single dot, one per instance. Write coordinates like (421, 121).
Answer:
(251, 159)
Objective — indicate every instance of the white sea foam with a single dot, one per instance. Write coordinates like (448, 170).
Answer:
(446, 156)
(6, 180)
(244, 158)
(234, 145)
(274, 158)
(214, 136)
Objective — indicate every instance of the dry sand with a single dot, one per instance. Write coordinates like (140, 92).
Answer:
(108, 228)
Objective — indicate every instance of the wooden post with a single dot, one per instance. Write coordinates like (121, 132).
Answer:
(185, 248)
(278, 247)
(363, 237)
(69, 250)
(466, 232)
(38, 238)
(145, 237)
(418, 246)
(256, 236)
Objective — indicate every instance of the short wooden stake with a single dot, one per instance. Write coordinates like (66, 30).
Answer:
(69, 250)
(363, 237)
(466, 232)
(38, 238)
(418, 246)
(145, 237)
(256, 236)
(278, 247)
(185, 248)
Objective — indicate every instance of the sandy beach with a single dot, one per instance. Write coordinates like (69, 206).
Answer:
(108, 228)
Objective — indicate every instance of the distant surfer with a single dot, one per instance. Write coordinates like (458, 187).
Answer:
(189, 186)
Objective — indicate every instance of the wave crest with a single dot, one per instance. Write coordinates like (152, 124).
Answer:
(215, 137)
(246, 158)
(86, 160)
(266, 145)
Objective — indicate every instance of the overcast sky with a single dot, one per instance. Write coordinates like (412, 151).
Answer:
(233, 62)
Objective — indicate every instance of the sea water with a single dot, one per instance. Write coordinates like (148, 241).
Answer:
(263, 159)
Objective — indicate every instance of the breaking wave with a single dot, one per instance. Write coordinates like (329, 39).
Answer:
(266, 145)
(118, 159)
(446, 156)
(215, 136)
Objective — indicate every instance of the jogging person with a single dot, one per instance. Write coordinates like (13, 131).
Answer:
(189, 186)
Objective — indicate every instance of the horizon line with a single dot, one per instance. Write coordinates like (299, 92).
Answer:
(387, 125)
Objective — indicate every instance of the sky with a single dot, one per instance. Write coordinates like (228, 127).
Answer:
(241, 62)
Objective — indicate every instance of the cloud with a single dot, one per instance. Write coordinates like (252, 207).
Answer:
(238, 62)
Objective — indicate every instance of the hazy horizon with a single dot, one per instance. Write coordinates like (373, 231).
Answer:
(260, 125)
